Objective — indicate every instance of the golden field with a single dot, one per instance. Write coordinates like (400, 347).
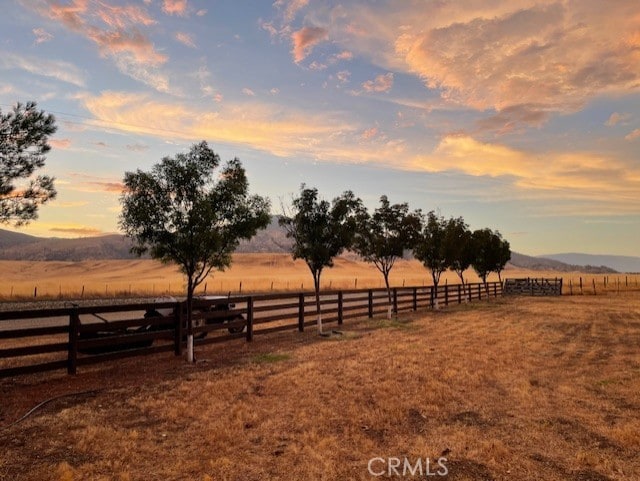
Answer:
(523, 389)
(248, 273)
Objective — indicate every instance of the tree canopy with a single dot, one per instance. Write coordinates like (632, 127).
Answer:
(382, 237)
(320, 230)
(184, 212)
(24, 136)
(492, 253)
(459, 251)
(430, 248)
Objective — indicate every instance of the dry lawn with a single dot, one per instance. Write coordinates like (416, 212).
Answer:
(248, 273)
(518, 389)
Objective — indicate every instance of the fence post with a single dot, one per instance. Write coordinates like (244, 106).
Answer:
(446, 294)
(415, 298)
(301, 312)
(431, 299)
(395, 301)
(249, 318)
(177, 338)
(459, 294)
(495, 289)
(370, 303)
(74, 327)
(339, 308)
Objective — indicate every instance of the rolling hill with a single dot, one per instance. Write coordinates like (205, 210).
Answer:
(23, 247)
(619, 263)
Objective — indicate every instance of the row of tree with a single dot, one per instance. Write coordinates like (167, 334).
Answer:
(183, 212)
(322, 230)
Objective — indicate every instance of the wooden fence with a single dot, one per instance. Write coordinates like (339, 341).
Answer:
(67, 338)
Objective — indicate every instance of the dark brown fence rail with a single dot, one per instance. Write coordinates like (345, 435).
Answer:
(66, 338)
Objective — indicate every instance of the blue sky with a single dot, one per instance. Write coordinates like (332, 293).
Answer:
(522, 116)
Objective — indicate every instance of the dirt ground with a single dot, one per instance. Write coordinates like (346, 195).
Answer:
(516, 388)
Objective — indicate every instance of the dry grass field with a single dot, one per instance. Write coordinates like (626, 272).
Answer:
(249, 272)
(515, 388)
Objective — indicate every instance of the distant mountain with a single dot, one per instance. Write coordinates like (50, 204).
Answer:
(273, 239)
(23, 247)
(546, 264)
(618, 263)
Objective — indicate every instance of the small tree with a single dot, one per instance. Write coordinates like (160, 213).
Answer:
(503, 254)
(320, 231)
(383, 237)
(183, 212)
(492, 253)
(24, 133)
(430, 248)
(458, 246)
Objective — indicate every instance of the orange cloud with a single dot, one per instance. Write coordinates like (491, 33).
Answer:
(60, 143)
(633, 135)
(382, 83)
(175, 7)
(616, 118)
(552, 56)
(305, 39)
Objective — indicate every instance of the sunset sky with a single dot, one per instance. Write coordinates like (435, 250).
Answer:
(522, 116)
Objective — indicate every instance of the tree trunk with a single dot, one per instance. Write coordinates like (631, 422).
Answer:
(386, 283)
(436, 279)
(190, 353)
(316, 283)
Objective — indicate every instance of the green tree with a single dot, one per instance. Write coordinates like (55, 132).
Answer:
(458, 246)
(430, 248)
(24, 135)
(184, 212)
(383, 236)
(320, 231)
(503, 254)
(492, 253)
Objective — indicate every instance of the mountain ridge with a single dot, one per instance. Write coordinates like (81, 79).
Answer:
(24, 247)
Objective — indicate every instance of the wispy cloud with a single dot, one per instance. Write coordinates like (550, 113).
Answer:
(185, 39)
(175, 7)
(117, 33)
(42, 35)
(57, 69)
(290, 8)
(617, 118)
(382, 83)
(60, 143)
(633, 135)
(305, 39)
(248, 92)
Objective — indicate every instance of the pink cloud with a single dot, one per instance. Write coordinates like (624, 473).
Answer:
(42, 35)
(305, 39)
(185, 39)
(633, 135)
(248, 92)
(291, 8)
(175, 7)
(616, 118)
(114, 29)
(370, 133)
(382, 83)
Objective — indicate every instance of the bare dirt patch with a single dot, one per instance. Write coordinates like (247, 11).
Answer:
(507, 389)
